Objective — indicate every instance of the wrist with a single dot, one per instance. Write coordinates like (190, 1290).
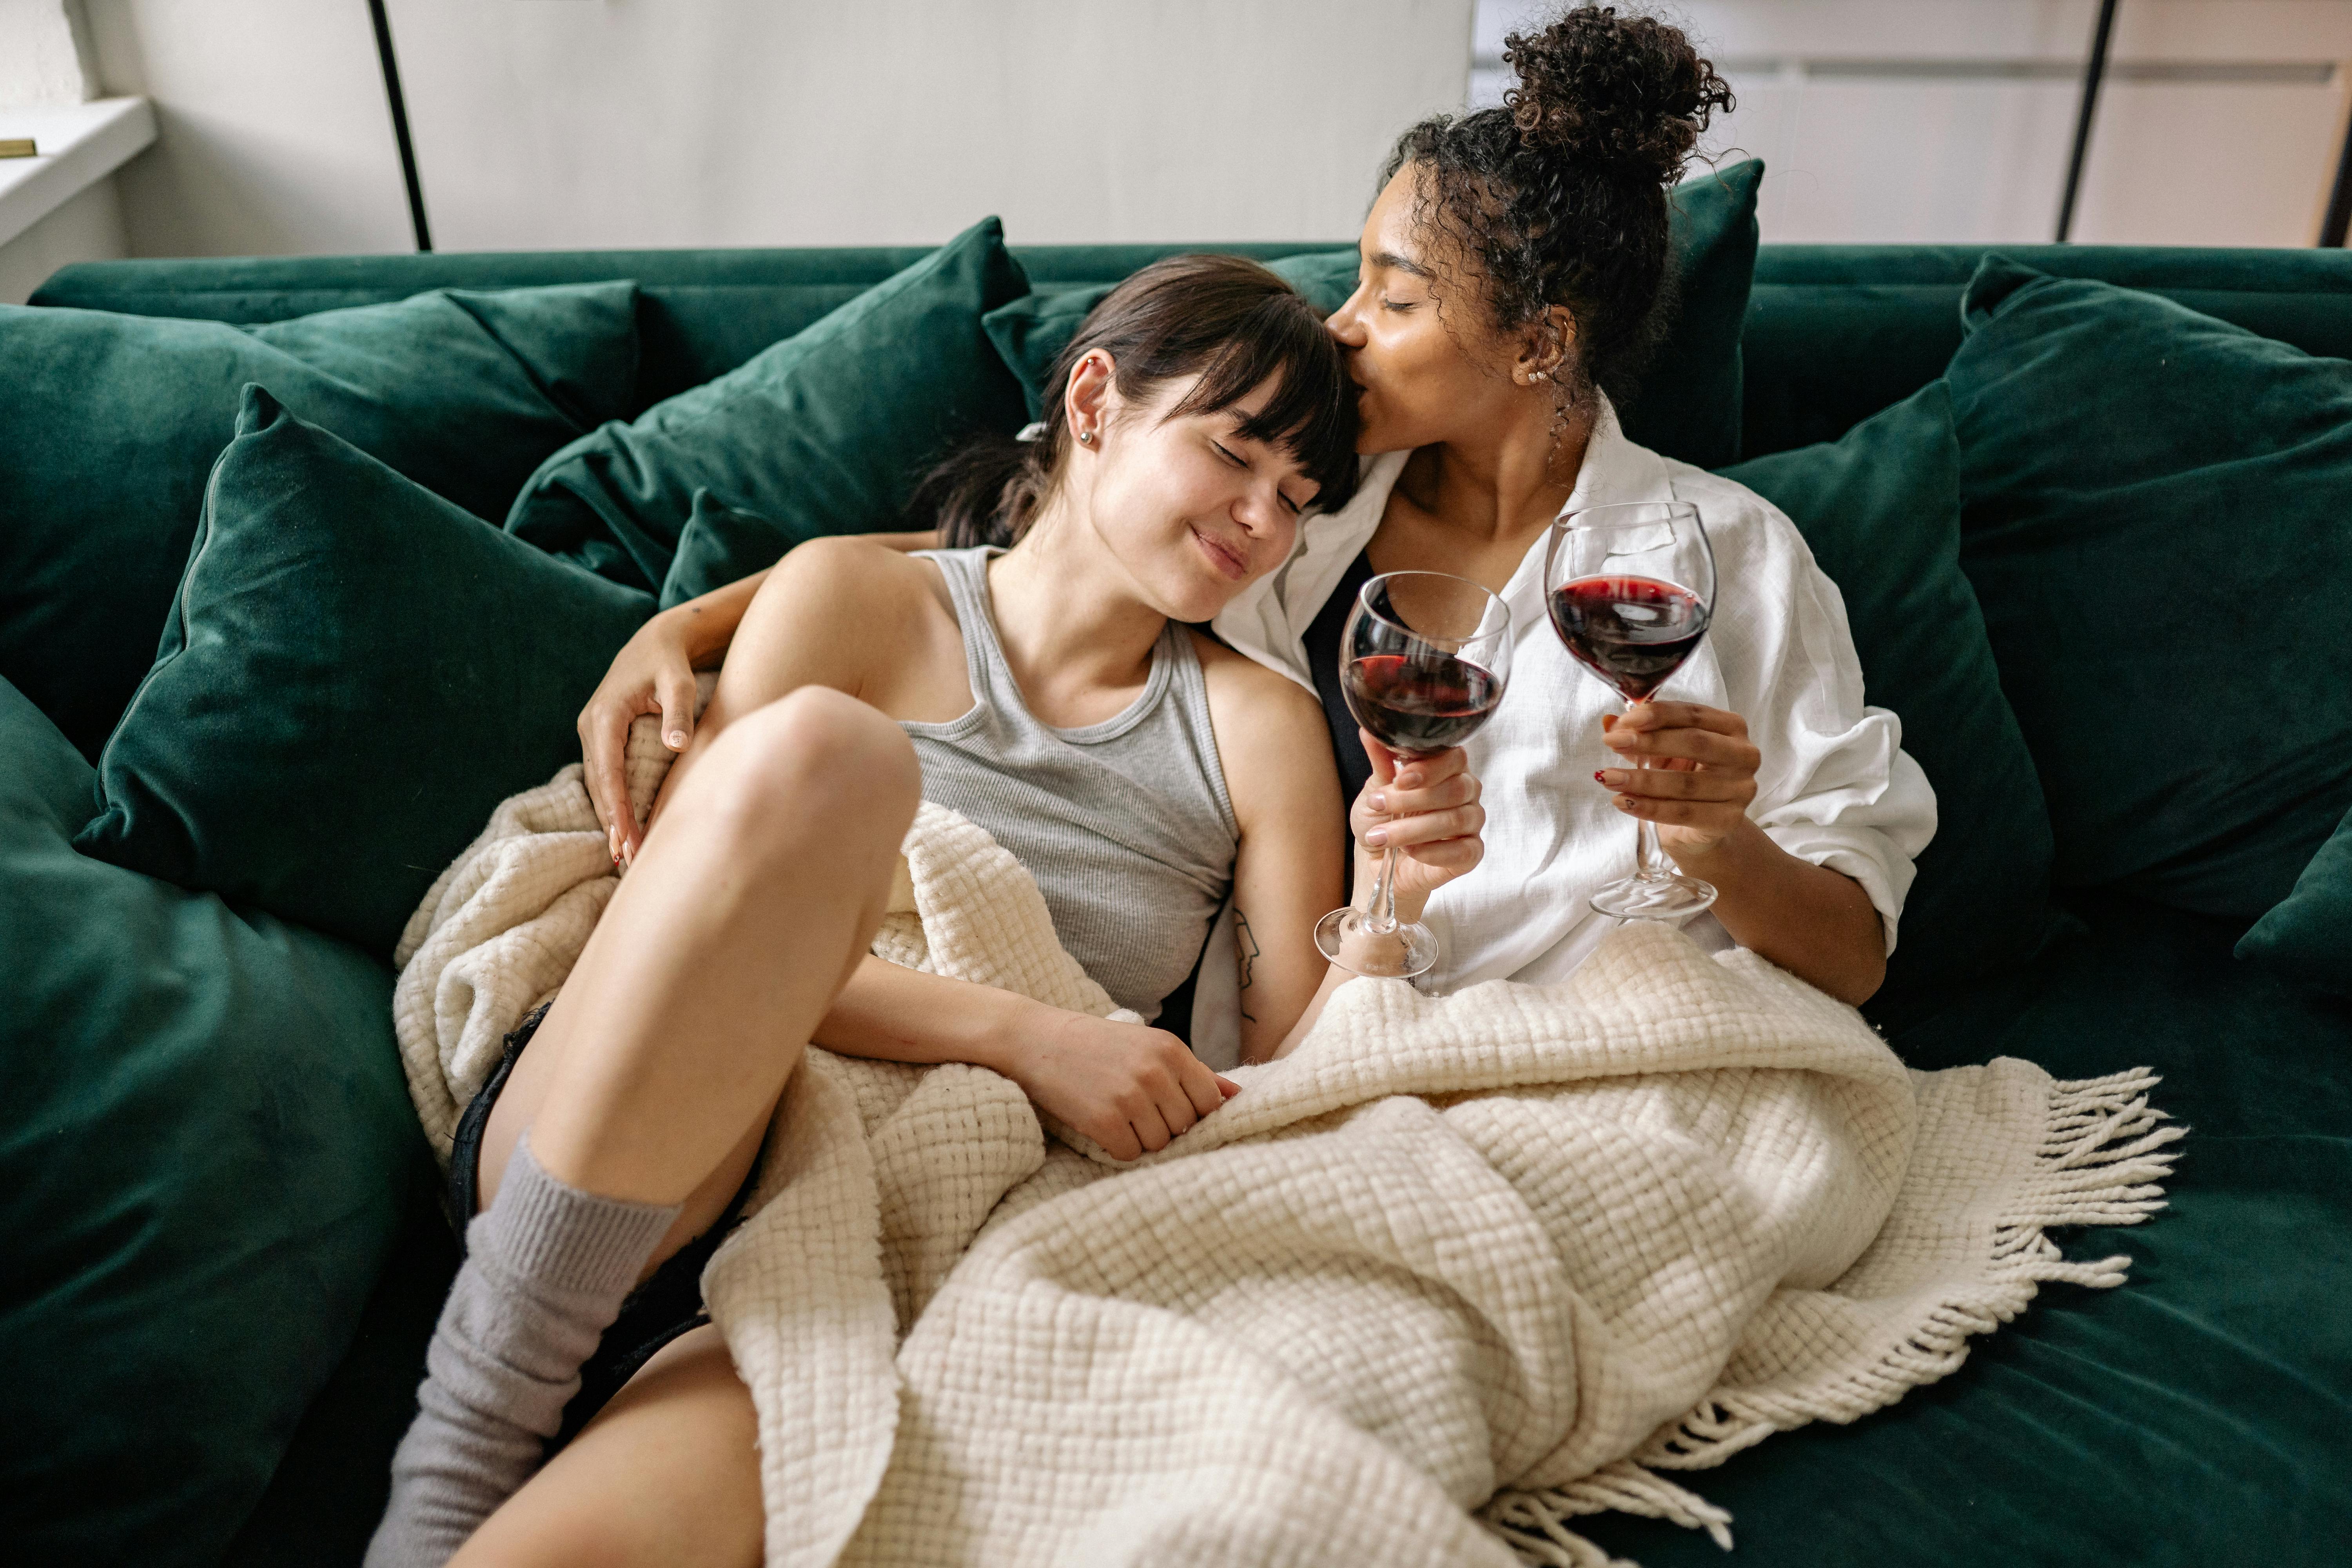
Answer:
(1703, 859)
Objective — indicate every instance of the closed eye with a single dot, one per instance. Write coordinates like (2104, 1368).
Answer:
(1298, 509)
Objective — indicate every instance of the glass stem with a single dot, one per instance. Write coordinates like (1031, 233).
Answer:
(1381, 919)
(1647, 853)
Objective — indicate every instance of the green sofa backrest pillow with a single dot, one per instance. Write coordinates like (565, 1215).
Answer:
(2158, 518)
(201, 1168)
(355, 673)
(827, 432)
(1687, 405)
(110, 424)
(1881, 508)
(2309, 934)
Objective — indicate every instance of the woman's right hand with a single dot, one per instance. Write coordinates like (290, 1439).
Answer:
(1129, 1087)
(653, 673)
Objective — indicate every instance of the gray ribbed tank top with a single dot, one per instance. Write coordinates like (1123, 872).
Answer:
(1126, 823)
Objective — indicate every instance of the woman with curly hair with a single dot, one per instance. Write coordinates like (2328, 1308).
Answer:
(1516, 272)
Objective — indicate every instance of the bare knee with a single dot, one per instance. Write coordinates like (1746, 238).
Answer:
(814, 762)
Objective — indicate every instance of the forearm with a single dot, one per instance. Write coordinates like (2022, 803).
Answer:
(705, 626)
(1333, 978)
(1814, 922)
(891, 1013)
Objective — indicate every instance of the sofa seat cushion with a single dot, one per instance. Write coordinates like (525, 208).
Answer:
(2158, 518)
(827, 432)
(1881, 508)
(110, 423)
(203, 1156)
(355, 673)
(2198, 1414)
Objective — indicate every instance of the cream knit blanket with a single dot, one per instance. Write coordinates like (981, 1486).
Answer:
(1455, 1272)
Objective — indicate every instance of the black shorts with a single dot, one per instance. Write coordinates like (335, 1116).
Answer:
(668, 1304)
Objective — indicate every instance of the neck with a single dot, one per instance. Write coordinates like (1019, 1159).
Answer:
(1069, 617)
(1508, 486)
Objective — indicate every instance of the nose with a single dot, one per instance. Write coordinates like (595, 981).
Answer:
(1346, 324)
(1259, 511)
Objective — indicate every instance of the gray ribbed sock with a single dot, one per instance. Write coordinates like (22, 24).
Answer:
(547, 1268)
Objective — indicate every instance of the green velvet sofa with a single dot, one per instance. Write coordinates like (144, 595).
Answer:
(2203, 1414)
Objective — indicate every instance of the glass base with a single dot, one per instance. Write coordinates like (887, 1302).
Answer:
(1668, 898)
(1409, 949)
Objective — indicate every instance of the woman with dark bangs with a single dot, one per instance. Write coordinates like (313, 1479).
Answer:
(1042, 680)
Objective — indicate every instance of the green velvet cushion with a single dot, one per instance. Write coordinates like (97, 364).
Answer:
(109, 422)
(1687, 406)
(827, 432)
(2309, 935)
(723, 545)
(204, 1146)
(1882, 511)
(2158, 518)
(354, 674)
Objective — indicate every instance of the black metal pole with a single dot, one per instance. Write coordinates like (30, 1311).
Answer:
(390, 64)
(2091, 75)
(2339, 201)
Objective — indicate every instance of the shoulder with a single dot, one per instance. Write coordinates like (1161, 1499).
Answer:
(848, 581)
(1269, 731)
(1260, 705)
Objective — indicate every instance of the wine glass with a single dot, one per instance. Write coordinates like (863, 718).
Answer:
(1422, 663)
(1630, 589)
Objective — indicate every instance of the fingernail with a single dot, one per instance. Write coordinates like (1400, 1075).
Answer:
(1599, 777)
(1378, 800)
(678, 740)
(1409, 779)
(1377, 837)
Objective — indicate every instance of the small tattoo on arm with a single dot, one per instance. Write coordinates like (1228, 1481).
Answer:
(1245, 949)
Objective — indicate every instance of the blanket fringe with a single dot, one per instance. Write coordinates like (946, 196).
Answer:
(2102, 1160)
(1535, 1523)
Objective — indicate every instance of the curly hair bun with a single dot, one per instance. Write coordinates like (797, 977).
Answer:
(1596, 86)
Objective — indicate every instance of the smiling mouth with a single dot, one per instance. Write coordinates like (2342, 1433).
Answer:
(1224, 559)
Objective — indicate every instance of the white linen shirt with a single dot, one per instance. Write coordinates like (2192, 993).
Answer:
(1835, 786)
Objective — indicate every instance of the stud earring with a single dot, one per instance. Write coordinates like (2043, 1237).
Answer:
(1540, 376)
(1087, 437)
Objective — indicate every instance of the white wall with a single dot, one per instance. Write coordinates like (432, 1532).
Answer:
(272, 137)
(2219, 122)
(561, 123)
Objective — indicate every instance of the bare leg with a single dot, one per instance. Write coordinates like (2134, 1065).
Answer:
(645, 1092)
(666, 1476)
(653, 1075)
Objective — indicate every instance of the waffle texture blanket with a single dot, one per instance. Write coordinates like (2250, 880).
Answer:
(1454, 1273)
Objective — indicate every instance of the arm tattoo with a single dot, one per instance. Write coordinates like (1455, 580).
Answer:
(1245, 949)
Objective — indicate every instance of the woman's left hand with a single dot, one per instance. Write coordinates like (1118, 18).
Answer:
(1428, 809)
(1701, 776)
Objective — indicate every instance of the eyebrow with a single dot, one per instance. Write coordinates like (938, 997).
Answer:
(1401, 263)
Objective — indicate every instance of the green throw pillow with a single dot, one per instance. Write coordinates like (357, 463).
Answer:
(205, 1147)
(1881, 508)
(110, 424)
(1687, 405)
(2309, 936)
(355, 673)
(2158, 518)
(723, 545)
(827, 432)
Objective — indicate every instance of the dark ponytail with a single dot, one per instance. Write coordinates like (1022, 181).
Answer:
(1228, 320)
(1559, 198)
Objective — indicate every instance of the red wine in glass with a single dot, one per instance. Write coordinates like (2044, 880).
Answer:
(1418, 705)
(1630, 587)
(1632, 632)
(1423, 662)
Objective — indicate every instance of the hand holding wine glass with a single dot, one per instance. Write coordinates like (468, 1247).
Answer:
(1423, 661)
